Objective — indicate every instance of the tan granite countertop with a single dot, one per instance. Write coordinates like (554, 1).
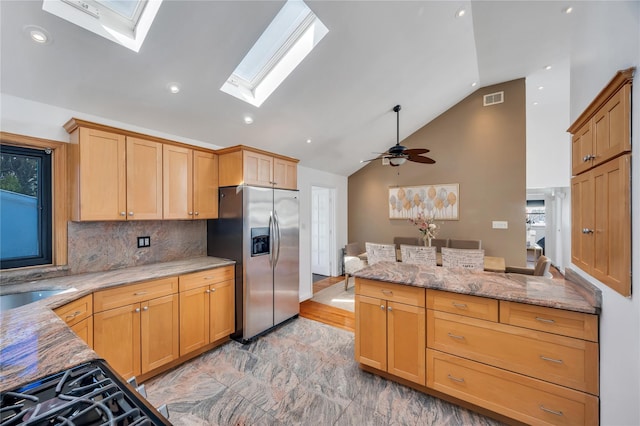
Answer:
(561, 294)
(35, 343)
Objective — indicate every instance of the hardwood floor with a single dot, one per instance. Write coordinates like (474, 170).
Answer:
(328, 314)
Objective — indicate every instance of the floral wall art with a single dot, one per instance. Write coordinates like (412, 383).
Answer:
(440, 202)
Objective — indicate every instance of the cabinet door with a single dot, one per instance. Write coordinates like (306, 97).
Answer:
(205, 185)
(371, 332)
(612, 126)
(406, 342)
(102, 176)
(582, 221)
(144, 179)
(117, 338)
(257, 168)
(612, 224)
(177, 182)
(222, 310)
(581, 149)
(84, 330)
(194, 319)
(159, 332)
(285, 174)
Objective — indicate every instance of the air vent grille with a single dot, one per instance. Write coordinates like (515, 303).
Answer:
(493, 98)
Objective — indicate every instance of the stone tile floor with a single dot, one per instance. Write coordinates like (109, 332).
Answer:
(301, 373)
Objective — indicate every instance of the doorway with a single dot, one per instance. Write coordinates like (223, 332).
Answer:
(322, 230)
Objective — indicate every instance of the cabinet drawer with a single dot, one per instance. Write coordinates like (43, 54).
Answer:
(567, 323)
(463, 304)
(134, 293)
(393, 292)
(74, 312)
(203, 278)
(522, 398)
(557, 359)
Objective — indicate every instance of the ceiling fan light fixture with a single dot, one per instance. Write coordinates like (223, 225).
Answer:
(397, 161)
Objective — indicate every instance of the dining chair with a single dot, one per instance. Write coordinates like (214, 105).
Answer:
(418, 255)
(413, 241)
(465, 244)
(352, 261)
(380, 253)
(439, 243)
(540, 269)
(463, 258)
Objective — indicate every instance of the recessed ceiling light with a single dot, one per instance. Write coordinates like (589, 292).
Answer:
(474, 84)
(567, 10)
(248, 120)
(37, 34)
(540, 87)
(173, 87)
(308, 140)
(460, 13)
(548, 67)
(535, 103)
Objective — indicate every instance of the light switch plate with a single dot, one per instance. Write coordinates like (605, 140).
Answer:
(500, 224)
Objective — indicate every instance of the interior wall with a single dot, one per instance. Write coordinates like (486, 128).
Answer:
(306, 179)
(608, 40)
(480, 148)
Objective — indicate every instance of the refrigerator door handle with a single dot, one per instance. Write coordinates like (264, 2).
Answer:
(279, 237)
(271, 235)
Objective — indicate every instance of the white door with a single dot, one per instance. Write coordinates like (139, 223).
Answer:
(321, 232)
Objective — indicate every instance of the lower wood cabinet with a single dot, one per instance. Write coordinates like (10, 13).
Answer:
(79, 317)
(390, 336)
(207, 308)
(141, 333)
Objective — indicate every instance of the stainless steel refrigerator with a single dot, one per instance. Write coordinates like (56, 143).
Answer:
(259, 229)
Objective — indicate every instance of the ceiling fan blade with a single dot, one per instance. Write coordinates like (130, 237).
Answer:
(416, 151)
(421, 159)
(373, 159)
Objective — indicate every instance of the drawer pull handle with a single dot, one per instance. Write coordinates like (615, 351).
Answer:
(387, 292)
(73, 315)
(459, 305)
(557, 361)
(557, 413)
(139, 293)
(455, 379)
(545, 320)
(454, 336)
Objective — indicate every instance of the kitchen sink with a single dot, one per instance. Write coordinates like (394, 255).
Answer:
(10, 301)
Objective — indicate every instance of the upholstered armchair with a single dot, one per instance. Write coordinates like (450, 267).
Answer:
(540, 269)
(352, 261)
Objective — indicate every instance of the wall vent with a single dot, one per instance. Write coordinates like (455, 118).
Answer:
(493, 98)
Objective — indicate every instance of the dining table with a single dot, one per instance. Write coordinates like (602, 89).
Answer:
(491, 263)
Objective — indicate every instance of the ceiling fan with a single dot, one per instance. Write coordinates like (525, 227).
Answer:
(398, 154)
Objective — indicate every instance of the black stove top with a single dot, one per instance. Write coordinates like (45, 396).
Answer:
(89, 394)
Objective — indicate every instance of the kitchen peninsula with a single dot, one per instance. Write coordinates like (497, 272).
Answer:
(520, 346)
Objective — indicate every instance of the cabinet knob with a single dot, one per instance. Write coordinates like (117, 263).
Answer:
(382, 307)
(588, 157)
(123, 213)
(196, 213)
(137, 310)
(190, 213)
(389, 309)
(146, 308)
(587, 231)
(207, 291)
(130, 213)
(213, 290)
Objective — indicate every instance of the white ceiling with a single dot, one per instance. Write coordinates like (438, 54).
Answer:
(377, 54)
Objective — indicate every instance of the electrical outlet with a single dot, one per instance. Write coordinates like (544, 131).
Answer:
(144, 242)
(500, 224)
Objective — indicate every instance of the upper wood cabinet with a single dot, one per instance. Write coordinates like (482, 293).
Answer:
(115, 175)
(190, 184)
(603, 130)
(97, 175)
(243, 165)
(601, 186)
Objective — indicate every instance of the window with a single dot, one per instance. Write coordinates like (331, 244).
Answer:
(288, 39)
(25, 207)
(124, 22)
(536, 213)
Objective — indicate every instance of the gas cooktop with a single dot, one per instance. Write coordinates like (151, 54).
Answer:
(88, 394)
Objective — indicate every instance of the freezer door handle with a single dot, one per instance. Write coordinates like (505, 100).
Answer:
(278, 238)
(271, 234)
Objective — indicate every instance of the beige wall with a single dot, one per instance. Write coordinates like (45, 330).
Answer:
(480, 148)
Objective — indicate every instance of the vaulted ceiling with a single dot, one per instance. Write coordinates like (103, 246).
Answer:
(377, 54)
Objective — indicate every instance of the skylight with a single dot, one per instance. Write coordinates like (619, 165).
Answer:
(288, 39)
(125, 22)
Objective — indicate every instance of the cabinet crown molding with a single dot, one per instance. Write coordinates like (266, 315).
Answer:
(621, 78)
